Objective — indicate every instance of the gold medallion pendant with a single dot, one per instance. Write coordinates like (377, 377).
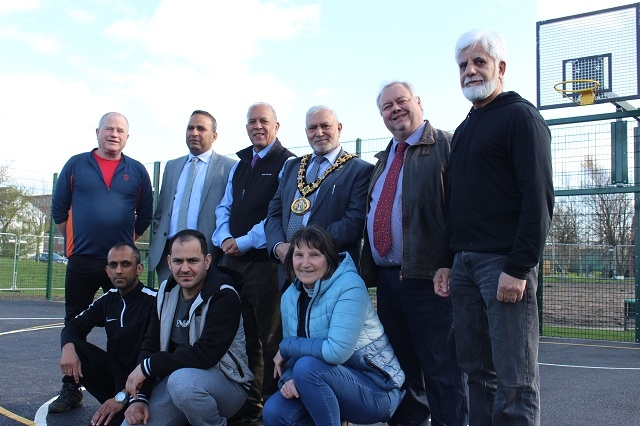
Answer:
(300, 206)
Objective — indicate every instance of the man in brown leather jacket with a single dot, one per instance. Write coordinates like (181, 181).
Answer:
(403, 241)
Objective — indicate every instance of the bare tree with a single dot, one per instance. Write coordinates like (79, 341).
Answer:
(4, 173)
(564, 235)
(612, 216)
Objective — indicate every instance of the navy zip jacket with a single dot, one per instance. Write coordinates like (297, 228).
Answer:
(98, 217)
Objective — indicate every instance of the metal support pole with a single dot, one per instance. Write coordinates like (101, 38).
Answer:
(636, 220)
(50, 249)
(151, 276)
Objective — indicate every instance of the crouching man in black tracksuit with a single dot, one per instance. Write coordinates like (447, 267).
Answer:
(193, 361)
(124, 312)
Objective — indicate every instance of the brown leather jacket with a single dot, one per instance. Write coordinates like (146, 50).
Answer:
(424, 181)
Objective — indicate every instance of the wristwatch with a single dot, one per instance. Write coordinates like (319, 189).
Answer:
(122, 397)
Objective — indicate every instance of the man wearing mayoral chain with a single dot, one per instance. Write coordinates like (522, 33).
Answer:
(327, 188)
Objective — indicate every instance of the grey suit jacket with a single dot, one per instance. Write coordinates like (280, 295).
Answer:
(339, 206)
(213, 190)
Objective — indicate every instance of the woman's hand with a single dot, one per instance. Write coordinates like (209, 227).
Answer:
(289, 390)
(279, 364)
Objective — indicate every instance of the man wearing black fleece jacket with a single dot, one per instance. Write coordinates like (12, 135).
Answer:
(500, 203)
(193, 356)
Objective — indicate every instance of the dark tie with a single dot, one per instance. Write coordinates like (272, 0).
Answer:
(382, 218)
(295, 221)
(255, 160)
(186, 195)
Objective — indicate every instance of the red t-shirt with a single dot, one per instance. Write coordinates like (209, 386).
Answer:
(108, 167)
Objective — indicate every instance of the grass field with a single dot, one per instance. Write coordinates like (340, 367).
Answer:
(590, 333)
(30, 279)
(574, 307)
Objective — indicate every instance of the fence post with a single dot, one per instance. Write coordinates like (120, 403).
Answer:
(359, 147)
(51, 232)
(156, 191)
(636, 196)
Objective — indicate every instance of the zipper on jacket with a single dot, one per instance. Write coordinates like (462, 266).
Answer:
(375, 367)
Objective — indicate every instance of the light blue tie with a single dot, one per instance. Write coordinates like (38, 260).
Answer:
(295, 221)
(186, 195)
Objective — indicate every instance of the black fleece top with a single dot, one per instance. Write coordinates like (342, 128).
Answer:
(125, 320)
(501, 184)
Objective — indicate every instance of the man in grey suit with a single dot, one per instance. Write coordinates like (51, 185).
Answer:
(192, 187)
(332, 196)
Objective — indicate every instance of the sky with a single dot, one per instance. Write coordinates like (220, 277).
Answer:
(65, 63)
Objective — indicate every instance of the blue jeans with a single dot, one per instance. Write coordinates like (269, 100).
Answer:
(328, 394)
(497, 342)
(419, 324)
(196, 397)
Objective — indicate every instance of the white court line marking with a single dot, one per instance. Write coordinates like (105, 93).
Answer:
(40, 327)
(41, 414)
(32, 318)
(590, 367)
(592, 345)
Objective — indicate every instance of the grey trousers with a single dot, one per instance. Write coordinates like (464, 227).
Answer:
(196, 397)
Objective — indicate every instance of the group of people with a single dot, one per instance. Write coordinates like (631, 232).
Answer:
(263, 314)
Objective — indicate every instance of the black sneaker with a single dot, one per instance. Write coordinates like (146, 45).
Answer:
(70, 398)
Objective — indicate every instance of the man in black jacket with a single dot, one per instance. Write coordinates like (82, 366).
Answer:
(500, 203)
(124, 312)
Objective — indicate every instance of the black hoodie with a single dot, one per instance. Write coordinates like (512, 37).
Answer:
(501, 184)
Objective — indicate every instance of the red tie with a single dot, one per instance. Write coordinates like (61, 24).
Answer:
(382, 218)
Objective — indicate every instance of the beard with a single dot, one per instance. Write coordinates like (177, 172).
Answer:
(478, 93)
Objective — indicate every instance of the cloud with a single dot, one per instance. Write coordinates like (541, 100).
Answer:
(8, 6)
(551, 9)
(82, 16)
(210, 33)
(43, 43)
(47, 120)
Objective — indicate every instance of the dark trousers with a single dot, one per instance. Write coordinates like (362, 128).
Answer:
(162, 270)
(497, 342)
(260, 299)
(102, 375)
(85, 275)
(419, 325)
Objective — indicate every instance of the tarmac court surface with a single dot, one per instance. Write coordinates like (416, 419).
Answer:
(582, 382)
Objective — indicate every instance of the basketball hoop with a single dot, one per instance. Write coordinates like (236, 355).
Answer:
(585, 95)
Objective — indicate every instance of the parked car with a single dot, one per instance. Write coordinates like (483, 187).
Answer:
(56, 258)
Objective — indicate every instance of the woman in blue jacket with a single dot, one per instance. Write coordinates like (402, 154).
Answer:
(335, 362)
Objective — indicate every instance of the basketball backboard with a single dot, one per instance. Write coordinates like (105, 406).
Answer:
(600, 45)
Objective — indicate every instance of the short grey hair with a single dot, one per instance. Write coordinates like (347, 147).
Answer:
(264, 104)
(406, 84)
(104, 117)
(491, 41)
(318, 108)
